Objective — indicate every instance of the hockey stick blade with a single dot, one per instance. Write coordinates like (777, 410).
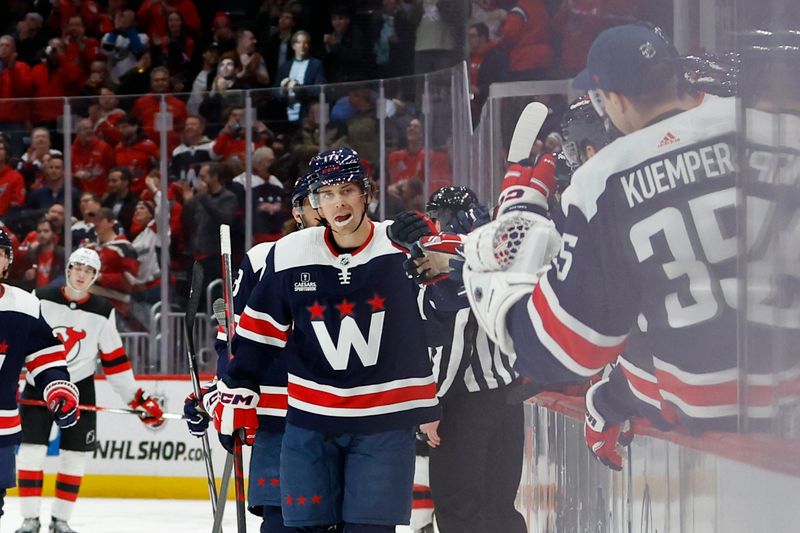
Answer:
(529, 123)
(98, 409)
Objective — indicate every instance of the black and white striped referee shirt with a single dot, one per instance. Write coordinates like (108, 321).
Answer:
(463, 357)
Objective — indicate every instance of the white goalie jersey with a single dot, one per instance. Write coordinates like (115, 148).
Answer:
(88, 330)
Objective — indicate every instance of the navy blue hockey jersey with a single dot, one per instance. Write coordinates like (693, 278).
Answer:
(25, 339)
(271, 380)
(649, 240)
(360, 362)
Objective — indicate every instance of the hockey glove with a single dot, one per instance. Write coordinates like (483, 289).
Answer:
(605, 439)
(409, 227)
(236, 410)
(198, 412)
(503, 261)
(429, 261)
(62, 400)
(466, 221)
(151, 412)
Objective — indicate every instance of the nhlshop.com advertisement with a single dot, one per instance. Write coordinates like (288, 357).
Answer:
(132, 460)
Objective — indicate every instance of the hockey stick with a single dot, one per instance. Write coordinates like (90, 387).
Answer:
(529, 123)
(195, 291)
(223, 494)
(98, 409)
(227, 296)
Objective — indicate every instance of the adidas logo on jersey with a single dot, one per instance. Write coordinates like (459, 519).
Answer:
(669, 138)
(305, 284)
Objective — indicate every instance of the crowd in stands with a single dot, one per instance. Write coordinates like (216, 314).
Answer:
(120, 61)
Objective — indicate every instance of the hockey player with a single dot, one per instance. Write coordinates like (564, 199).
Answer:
(476, 461)
(263, 497)
(645, 263)
(26, 339)
(357, 387)
(86, 325)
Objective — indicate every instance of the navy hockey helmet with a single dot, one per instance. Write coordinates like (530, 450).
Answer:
(334, 167)
(300, 192)
(581, 126)
(447, 201)
(5, 244)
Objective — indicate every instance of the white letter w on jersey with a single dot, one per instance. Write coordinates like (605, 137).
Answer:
(350, 337)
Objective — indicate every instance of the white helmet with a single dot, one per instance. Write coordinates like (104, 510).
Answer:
(84, 256)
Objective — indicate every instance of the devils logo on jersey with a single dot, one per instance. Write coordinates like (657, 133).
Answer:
(71, 339)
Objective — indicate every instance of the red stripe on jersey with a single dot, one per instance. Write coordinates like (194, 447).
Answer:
(647, 388)
(422, 504)
(273, 401)
(46, 359)
(362, 401)
(7, 422)
(262, 327)
(116, 369)
(119, 352)
(584, 352)
(715, 394)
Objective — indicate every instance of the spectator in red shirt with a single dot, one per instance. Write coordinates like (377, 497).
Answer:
(479, 45)
(52, 79)
(231, 140)
(152, 17)
(106, 116)
(147, 106)
(81, 50)
(409, 163)
(135, 151)
(15, 82)
(107, 18)
(526, 40)
(63, 10)
(119, 263)
(45, 258)
(12, 184)
(91, 159)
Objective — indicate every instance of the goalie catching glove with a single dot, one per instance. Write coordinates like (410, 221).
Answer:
(151, 413)
(408, 227)
(503, 261)
(62, 400)
(235, 412)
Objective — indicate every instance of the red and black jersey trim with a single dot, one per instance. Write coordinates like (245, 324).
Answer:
(115, 362)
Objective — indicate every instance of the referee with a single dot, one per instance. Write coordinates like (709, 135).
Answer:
(475, 466)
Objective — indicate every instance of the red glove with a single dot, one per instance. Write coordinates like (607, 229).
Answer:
(236, 412)
(606, 440)
(62, 400)
(527, 187)
(151, 412)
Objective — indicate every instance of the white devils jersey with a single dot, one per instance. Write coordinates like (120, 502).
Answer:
(87, 328)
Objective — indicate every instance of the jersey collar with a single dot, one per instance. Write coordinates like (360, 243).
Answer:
(329, 240)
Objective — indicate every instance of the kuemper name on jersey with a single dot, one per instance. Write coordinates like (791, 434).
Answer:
(676, 170)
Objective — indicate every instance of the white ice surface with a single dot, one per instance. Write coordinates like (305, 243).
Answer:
(109, 515)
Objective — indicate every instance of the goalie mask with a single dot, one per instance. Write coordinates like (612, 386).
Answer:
(581, 127)
(87, 257)
(447, 201)
(335, 167)
(5, 244)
